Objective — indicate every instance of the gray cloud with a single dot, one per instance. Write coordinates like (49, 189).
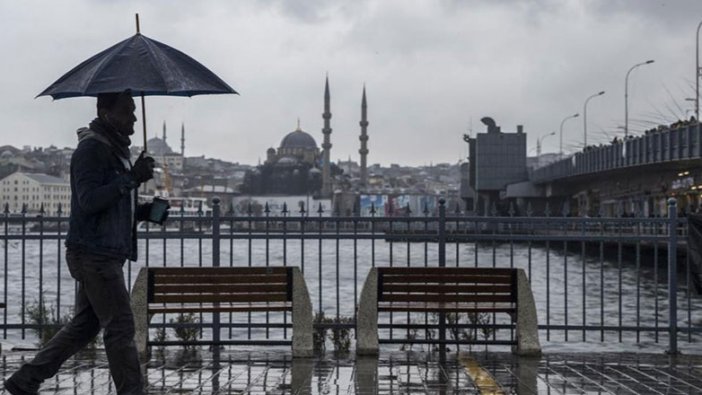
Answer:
(430, 67)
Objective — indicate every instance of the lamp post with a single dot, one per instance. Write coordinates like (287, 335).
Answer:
(697, 73)
(560, 144)
(626, 96)
(538, 146)
(585, 116)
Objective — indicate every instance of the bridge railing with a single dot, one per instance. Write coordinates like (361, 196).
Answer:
(658, 146)
(595, 280)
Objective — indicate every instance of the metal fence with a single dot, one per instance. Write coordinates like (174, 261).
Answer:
(603, 280)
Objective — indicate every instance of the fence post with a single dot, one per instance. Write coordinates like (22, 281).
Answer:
(215, 263)
(442, 263)
(442, 232)
(672, 276)
(216, 212)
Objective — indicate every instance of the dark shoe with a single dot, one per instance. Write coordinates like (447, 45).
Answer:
(14, 389)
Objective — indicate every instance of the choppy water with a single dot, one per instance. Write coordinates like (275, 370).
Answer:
(565, 288)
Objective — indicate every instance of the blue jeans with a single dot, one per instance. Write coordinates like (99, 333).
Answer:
(102, 301)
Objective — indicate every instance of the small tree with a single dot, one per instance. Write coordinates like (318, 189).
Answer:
(186, 334)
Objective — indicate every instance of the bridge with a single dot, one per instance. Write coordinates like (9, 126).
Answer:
(634, 176)
(673, 148)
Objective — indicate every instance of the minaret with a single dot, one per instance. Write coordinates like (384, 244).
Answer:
(326, 146)
(164, 131)
(182, 139)
(364, 140)
(182, 143)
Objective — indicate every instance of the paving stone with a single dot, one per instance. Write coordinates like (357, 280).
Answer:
(276, 372)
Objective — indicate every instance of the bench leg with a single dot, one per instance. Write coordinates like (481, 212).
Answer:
(527, 323)
(140, 306)
(302, 345)
(367, 316)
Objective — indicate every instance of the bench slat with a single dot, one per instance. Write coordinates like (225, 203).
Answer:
(443, 288)
(221, 297)
(220, 279)
(448, 278)
(239, 271)
(446, 270)
(419, 298)
(218, 288)
(221, 308)
(447, 307)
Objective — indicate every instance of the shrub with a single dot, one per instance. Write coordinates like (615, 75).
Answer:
(37, 313)
(186, 334)
(340, 337)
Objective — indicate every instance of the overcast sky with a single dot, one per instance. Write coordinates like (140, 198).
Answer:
(432, 69)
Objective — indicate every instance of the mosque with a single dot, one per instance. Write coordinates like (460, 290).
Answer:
(300, 167)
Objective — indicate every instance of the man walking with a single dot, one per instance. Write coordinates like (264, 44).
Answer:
(101, 237)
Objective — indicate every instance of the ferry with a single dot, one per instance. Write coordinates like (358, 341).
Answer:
(181, 207)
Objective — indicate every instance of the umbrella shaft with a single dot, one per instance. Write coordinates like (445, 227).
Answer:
(143, 118)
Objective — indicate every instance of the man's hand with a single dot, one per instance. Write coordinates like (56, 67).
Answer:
(143, 169)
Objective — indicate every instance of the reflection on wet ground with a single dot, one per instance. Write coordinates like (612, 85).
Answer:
(275, 372)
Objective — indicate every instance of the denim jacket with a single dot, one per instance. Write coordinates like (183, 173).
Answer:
(102, 219)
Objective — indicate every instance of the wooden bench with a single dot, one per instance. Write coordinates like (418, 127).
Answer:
(174, 290)
(447, 290)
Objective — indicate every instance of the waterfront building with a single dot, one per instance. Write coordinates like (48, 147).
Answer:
(34, 189)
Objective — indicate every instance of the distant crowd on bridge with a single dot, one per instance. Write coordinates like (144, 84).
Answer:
(658, 129)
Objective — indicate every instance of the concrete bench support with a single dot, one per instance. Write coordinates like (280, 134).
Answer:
(367, 316)
(302, 343)
(140, 308)
(527, 323)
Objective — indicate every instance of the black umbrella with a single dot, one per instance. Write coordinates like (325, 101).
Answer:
(142, 65)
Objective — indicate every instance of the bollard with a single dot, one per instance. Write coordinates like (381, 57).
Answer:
(672, 276)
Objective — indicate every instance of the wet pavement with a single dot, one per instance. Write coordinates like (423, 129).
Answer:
(177, 371)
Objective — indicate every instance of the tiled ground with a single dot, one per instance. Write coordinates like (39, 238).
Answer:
(274, 372)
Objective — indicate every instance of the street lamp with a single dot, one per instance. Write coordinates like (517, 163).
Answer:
(697, 74)
(538, 146)
(560, 144)
(626, 96)
(585, 117)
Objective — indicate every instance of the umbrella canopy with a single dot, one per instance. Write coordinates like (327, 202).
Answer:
(141, 64)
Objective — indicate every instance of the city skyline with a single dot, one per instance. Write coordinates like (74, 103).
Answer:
(431, 71)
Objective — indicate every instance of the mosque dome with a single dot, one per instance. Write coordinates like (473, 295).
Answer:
(158, 147)
(298, 139)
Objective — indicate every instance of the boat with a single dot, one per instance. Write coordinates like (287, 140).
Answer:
(183, 214)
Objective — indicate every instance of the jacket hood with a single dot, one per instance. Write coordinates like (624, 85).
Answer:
(87, 133)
